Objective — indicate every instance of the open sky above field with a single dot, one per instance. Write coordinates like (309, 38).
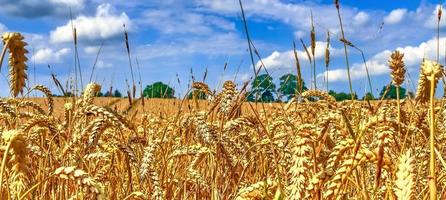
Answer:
(172, 37)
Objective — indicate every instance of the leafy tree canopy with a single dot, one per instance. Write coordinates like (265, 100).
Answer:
(159, 90)
(342, 95)
(391, 94)
(198, 94)
(262, 89)
(368, 96)
(289, 85)
(116, 93)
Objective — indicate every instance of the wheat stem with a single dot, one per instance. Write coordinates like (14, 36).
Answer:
(432, 175)
(345, 50)
(2, 170)
(5, 47)
(399, 108)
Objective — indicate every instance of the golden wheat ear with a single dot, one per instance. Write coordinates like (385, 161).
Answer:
(90, 92)
(404, 183)
(15, 44)
(397, 68)
(429, 69)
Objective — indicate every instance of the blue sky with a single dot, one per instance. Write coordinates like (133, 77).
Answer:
(173, 37)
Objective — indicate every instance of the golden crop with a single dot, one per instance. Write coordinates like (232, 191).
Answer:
(223, 148)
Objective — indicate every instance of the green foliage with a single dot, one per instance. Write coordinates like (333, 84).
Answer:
(67, 94)
(342, 95)
(289, 86)
(116, 93)
(368, 96)
(391, 94)
(262, 89)
(198, 94)
(158, 90)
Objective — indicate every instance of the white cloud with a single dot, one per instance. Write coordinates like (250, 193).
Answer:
(377, 65)
(183, 22)
(103, 65)
(278, 60)
(104, 25)
(239, 78)
(41, 8)
(395, 16)
(361, 18)
(91, 49)
(432, 21)
(299, 34)
(294, 14)
(216, 44)
(47, 55)
(284, 60)
(71, 3)
(3, 28)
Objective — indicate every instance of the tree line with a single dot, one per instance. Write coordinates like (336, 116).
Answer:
(263, 89)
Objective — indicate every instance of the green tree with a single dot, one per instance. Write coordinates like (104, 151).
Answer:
(199, 94)
(267, 96)
(368, 96)
(391, 93)
(158, 90)
(116, 93)
(342, 95)
(288, 85)
(262, 89)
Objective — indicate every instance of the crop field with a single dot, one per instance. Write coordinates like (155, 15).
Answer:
(91, 147)
(216, 143)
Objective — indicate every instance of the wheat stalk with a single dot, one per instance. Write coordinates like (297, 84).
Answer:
(397, 73)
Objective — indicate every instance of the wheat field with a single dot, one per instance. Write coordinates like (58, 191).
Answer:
(313, 147)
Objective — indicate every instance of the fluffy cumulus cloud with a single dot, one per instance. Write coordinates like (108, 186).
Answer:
(395, 16)
(432, 21)
(104, 25)
(92, 50)
(377, 65)
(47, 55)
(284, 60)
(361, 18)
(40, 8)
(297, 15)
(394, 28)
(3, 28)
